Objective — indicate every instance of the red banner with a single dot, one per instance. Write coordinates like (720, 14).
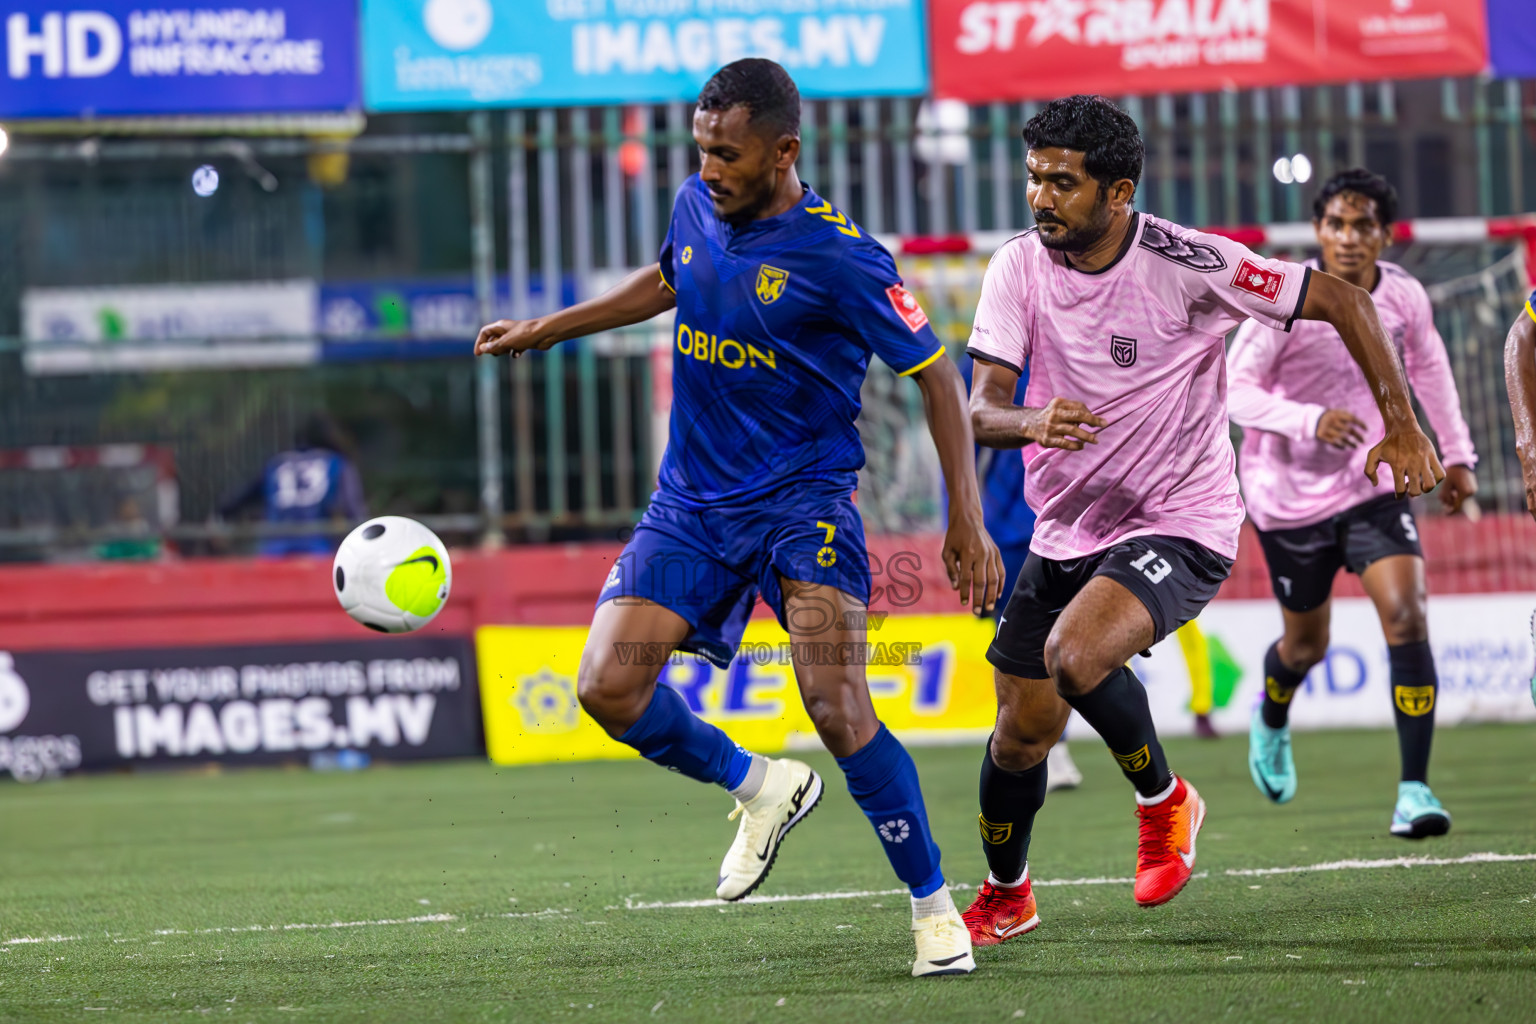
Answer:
(1040, 49)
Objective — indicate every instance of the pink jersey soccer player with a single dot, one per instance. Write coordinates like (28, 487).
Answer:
(1121, 318)
(1306, 412)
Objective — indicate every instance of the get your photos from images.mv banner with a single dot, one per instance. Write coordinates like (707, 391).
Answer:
(447, 54)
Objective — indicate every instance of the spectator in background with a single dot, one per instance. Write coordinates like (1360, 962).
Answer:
(314, 482)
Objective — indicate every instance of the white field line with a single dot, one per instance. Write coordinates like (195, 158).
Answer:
(631, 904)
(1390, 862)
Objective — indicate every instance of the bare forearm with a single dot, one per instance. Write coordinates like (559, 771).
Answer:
(1000, 426)
(1352, 313)
(636, 299)
(1520, 377)
(949, 422)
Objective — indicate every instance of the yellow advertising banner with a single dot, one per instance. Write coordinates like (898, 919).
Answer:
(928, 676)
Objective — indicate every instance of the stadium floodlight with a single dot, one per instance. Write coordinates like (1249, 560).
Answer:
(1301, 168)
(5, 141)
(1284, 173)
(205, 180)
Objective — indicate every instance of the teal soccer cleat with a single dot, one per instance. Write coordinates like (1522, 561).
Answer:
(1418, 814)
(1269, 759)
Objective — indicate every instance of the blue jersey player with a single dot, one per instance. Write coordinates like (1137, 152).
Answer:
(781, 300)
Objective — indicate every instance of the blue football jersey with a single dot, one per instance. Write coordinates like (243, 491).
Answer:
(776, 320)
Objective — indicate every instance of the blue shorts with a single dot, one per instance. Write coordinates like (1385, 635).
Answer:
(709, 566)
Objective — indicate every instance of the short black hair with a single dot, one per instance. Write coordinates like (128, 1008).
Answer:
(1362, 182)
(764, 88)
(1102, 132)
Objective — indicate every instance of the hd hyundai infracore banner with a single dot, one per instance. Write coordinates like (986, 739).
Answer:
(1038, 49)
(125, 57)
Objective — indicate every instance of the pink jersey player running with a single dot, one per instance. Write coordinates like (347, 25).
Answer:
(1306, 411)
(1121, 319)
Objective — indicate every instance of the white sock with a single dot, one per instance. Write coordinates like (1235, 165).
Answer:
(999, 884)
(753, 783)
(935, 904)
(1153, 801)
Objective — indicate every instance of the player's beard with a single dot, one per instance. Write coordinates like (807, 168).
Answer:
(759, 201)
(1083, 237)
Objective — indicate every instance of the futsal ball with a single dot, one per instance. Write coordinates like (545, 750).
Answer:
(392, 574)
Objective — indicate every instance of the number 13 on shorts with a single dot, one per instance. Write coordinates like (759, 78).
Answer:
(826, 556)
(1156, 573)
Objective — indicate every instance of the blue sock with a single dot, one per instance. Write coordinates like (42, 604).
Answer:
(883, 780)
(671, 735)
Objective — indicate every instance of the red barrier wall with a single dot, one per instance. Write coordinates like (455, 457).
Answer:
(206, 601)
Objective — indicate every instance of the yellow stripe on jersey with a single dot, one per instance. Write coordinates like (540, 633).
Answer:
(924, 364)
(664, 280)
(1530, 309)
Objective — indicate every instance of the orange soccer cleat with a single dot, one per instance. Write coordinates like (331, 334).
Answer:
(998, 914)
(1165, 858)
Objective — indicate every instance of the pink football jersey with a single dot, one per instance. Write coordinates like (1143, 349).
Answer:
(1141, 343)
(1281, 384)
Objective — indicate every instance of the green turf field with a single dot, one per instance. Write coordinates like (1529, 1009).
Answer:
(216, 895)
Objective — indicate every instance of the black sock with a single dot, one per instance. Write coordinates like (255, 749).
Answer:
(1413, 704)
(1118, 710)
(1009, 801)
(1279, 687)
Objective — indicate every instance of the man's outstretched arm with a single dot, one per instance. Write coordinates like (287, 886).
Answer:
(1415, 467)
(1520, 377)
(636, 299)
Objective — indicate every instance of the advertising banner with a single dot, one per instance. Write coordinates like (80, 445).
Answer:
(109, 57)
(928, 676)
(931, 682)
(1512, 38)
(453, 54)
(1041, 49)
(1482, 649)
(162, 327)
(399, 699)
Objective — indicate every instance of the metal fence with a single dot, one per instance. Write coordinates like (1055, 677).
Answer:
(556, 204)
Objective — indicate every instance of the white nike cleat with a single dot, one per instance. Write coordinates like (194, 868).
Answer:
(790, 791)
(1060, 771)
(943, 945)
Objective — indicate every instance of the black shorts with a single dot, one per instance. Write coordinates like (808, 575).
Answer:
(1173, 577)
(1304, 561)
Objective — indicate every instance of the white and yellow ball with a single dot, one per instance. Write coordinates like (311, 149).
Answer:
(392, 574)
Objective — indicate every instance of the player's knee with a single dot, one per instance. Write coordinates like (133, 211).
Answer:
(1405, 623)
(1074, 665)
(833, 711)
(1300, 653)
(607, 690)
(1019, 746)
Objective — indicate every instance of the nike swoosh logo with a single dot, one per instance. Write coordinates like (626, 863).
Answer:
(1187, 858)
(1012, 929)
(798, 797)
(1272, 793)
(773, 836)
(431, 559)
(950, 960)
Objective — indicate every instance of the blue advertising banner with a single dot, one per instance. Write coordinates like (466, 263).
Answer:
(449, 54)
(120, 57)
(1512, 38)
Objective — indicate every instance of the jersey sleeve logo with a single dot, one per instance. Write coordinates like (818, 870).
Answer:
(771, 282)
(1251, 277)
(835, 217)
(687, 255)
(907, 308)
